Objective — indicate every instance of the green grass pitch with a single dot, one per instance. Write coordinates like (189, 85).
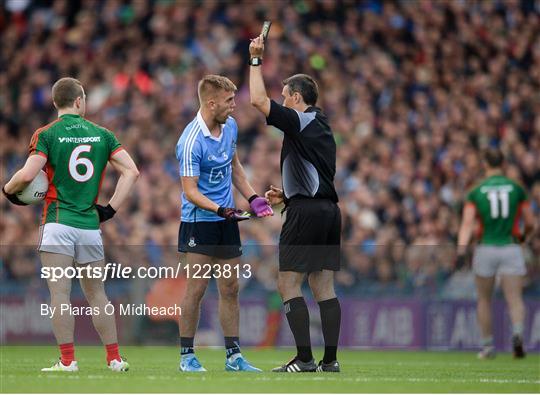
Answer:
(154, 369)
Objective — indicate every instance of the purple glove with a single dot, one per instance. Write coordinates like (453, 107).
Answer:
(260, 206)
(232, 214)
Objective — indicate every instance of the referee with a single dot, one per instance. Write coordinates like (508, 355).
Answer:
(310, 238)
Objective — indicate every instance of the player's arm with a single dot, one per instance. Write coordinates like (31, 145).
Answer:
(529, 221)
(465, 231)
(24, 176)
(37, 158)
(467, 227)
(191, 190)
(189, 185)
(258, 204)
(240, 180)
(190, 157)
(121, 162)
(257, 91)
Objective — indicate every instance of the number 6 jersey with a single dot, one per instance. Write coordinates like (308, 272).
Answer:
(77, 153)
(498, 201)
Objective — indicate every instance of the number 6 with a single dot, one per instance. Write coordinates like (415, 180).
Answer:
(74, 161)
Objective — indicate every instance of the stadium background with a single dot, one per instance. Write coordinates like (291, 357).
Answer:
(414, 91)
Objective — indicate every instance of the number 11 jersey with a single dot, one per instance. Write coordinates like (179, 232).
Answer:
(77, 153)
(498, 201)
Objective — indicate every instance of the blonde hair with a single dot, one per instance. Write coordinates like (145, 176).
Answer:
(211, 84)
(65, 91)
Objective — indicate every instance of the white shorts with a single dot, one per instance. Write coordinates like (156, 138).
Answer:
(489, 260)
(84, 245)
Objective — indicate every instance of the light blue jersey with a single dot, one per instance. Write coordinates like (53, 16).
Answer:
(202, 155)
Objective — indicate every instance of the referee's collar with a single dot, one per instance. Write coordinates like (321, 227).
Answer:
(206, 131)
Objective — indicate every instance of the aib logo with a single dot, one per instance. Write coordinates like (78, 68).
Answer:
(218, 174)
(39, 194)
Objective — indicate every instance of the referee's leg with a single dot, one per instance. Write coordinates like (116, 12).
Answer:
(322, 286)
(289, 285)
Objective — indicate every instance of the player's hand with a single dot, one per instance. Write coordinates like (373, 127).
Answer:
(256, 48)
(274, 195)
(13, 198)
(260, 206)
(105, 212)
(461, 261)
(521, 238)
(232, 214)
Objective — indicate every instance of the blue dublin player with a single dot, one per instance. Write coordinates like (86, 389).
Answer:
(209, 233)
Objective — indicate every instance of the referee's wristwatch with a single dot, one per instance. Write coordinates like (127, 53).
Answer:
(255, 61)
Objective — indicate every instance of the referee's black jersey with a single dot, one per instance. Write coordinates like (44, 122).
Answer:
(308, 155)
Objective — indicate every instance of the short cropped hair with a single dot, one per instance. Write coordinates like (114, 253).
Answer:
(305, 85)
(493, 157)
(211, 84)
(65, 91)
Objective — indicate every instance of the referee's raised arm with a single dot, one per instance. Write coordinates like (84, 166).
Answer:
(257, 91)
(285, 117)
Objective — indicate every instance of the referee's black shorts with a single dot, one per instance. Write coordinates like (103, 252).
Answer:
(311, 236)
(219, 239)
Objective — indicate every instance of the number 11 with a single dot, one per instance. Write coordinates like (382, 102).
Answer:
(494, 197)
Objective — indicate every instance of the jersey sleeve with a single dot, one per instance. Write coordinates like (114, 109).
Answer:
(112, 143)
(189, 156)
(470, 196)
(39, 144)
(283, 118)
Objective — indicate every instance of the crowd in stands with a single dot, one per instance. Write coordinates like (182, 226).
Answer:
(414, 91)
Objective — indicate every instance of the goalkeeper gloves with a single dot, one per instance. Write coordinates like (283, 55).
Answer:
(13, 198)
(232, 214)
(105, 212)
(259, 206)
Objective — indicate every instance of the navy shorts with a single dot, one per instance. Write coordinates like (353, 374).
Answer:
(220, 239)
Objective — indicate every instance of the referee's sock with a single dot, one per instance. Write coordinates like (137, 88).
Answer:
(330, 322)
(298, 317)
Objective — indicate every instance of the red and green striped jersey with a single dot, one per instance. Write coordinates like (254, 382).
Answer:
(498, 201)
(77, 153)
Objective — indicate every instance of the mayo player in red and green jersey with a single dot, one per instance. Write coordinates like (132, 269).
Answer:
(500, 204)
(75, 153)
